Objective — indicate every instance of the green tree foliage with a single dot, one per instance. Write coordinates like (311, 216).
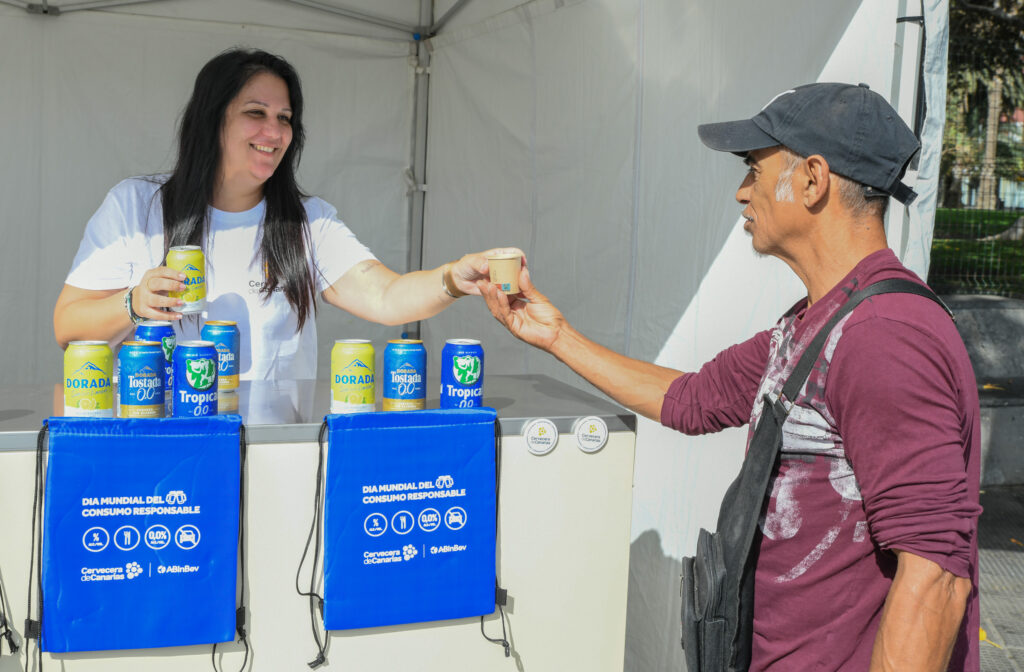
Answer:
(985, 82)
(985, 38)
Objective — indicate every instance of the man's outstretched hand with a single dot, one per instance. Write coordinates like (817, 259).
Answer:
(636, 384)
(529, 315)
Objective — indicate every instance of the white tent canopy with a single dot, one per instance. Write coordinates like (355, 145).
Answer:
(564, 127)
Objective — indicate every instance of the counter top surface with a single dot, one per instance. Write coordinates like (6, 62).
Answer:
(291, 411)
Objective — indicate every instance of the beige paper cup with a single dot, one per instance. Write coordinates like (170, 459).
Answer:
(505, 271)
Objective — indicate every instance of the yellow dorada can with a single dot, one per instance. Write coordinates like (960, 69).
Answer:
(353, 389)
(88, 367)
(189, 259)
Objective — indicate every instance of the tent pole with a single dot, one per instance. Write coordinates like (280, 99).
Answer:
(448, 15)
(96, 4)
(419, 153)
(358, 16)
(903, 95)
(44, 6)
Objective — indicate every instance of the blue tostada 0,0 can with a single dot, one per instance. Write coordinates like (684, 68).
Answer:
(163, 333)
(462, 374)
(405, 375)
(224, 336)
(140, 387)
(195, 379)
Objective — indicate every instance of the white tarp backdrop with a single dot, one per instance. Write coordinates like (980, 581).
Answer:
(90, 98)
(565, 127)
(571, 126)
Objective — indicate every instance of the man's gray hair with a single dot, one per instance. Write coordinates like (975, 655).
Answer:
(851, 193)
(784, 185)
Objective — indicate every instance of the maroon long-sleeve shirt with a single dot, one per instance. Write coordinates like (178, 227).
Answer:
(881, 452)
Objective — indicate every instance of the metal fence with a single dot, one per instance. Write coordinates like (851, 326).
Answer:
(978, 251)
(978, 247)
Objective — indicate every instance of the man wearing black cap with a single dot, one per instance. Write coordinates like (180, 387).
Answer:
(867, 553)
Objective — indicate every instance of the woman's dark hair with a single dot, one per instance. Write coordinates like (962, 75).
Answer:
(189, 191)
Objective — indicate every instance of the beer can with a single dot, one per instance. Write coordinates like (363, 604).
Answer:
(224, 336)
(163, 333)
(462, 374)
(140, 385)
(353, 389)
(405, 375)
(88, 366)
(195, 379)
(189, 259)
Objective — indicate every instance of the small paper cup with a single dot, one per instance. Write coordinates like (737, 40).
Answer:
(505, 271)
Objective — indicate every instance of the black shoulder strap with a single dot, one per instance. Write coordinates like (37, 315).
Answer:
(810, 356)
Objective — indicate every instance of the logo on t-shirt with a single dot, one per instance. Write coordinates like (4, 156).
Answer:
(256, 286)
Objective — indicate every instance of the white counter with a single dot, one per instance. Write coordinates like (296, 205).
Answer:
(563, 541)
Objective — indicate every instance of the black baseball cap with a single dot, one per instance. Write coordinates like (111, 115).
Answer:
(857, 131)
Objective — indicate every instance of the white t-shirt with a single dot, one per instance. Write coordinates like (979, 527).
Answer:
(125, 238)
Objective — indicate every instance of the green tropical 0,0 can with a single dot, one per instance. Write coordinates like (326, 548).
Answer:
(189, 259)
(195, 379)
(462, 374)
(353, 388)
(163, 333)
(88, 367)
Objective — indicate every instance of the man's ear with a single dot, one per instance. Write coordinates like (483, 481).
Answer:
(817, 176)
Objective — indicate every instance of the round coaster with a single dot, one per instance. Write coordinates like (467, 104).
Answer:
(591, 433)
(541, 436)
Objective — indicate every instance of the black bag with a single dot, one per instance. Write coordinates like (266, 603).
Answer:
(718, 582)
(717, 586)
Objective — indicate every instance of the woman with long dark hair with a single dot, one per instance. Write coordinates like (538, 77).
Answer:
(270, 249)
